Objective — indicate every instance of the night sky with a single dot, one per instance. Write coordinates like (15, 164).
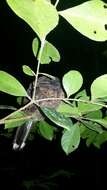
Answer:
(40, 158)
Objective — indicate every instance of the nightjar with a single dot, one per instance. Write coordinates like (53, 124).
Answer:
(46, 88)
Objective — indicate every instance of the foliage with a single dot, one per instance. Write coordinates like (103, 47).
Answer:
(79, 115)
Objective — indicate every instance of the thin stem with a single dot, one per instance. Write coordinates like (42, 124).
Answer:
(38, 66)
(71, 99)
(20, 109)
(47, 75)
(35, 85)
(57, 1)
(8, 107)
(50, 99)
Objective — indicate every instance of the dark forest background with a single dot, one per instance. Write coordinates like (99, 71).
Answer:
(85, 167)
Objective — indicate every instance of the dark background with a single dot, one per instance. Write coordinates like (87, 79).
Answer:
(85, 167)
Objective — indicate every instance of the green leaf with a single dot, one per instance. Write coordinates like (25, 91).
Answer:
(86, 132)
(15, 120)
(91, 138)
(100, 139)
(86, 107)
(82, 94)
(102, 122)
(46, 130)
(89, 135)
(89, 18)
(97, 139)
(70, 139)
(99, 87)
(11, 85)
(41, 15)
(57, 118)
(27, 70)
(19, 100)
(94, 115)
(68, 110)
(93, 126)
(72, 82)
(82, 128)
(49, 53)
(36, 46)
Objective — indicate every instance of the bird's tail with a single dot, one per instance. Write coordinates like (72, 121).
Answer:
(21, 135)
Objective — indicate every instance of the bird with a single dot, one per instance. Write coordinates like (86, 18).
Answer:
(46, 88)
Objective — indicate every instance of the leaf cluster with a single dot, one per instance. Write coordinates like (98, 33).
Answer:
(78, 115)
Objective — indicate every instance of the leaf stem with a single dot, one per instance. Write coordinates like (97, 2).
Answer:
(57, 1)
(47, 75)
(8, 107)
(38, 67)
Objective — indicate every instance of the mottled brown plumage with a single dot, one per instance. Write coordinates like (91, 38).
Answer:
(46, 88)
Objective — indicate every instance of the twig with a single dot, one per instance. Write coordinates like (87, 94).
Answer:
(71, 99)
(20, 109)
(38, 66)
(50, 99)
(47, 75)
(57, 1)
(7, 107)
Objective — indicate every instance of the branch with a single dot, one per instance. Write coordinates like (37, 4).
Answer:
(71, 99)
(38, 66)
(10, 115)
